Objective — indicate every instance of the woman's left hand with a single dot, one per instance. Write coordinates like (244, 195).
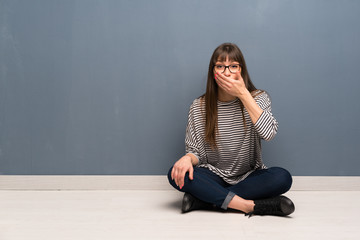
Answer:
(235, 87)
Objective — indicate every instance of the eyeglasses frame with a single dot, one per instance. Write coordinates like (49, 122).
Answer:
(228, 67)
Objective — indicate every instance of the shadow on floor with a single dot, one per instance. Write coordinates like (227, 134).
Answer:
(176, 205)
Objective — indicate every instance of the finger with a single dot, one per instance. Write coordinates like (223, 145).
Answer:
(218, 82)
(225, 81)
(172, 174)
(176, 177)
(181, 179)
(222, 84)
(191, 173)
(224, 78)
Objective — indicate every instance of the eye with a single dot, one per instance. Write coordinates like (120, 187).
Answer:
(234, 67)
(219, 66)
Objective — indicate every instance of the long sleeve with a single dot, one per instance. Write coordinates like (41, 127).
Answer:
(266, 125)
(239, 147)
(194, 143)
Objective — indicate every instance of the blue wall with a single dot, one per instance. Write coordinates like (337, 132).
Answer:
(104, 87)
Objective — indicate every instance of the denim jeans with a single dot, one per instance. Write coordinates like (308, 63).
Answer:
(210, 188)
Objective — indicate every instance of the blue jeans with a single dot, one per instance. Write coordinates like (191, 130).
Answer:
(210, 188)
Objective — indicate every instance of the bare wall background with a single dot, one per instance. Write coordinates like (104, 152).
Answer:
(104, 87)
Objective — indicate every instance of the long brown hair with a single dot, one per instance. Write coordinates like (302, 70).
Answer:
(233, 53)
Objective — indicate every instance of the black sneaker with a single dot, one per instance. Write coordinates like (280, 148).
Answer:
(190, 203)
(278, 206)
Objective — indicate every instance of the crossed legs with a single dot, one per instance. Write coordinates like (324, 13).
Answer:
(210, 188)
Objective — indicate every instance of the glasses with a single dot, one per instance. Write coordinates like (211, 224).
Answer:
(232, 68)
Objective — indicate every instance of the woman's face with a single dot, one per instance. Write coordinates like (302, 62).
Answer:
(229, 68)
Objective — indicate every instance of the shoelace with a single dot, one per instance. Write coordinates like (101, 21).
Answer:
(249, 214)
(265, 207)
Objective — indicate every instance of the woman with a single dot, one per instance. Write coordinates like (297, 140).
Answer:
(222, 167)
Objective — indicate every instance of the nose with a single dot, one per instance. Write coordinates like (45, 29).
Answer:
(227, 72)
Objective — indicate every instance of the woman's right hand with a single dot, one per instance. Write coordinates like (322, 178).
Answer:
(180, 168)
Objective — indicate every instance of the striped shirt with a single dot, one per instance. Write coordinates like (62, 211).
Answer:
(239, 148)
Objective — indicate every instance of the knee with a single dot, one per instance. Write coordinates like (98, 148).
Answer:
(284, 178)
(173, 183)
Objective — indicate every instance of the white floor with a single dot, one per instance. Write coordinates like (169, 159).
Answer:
(155, 214)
